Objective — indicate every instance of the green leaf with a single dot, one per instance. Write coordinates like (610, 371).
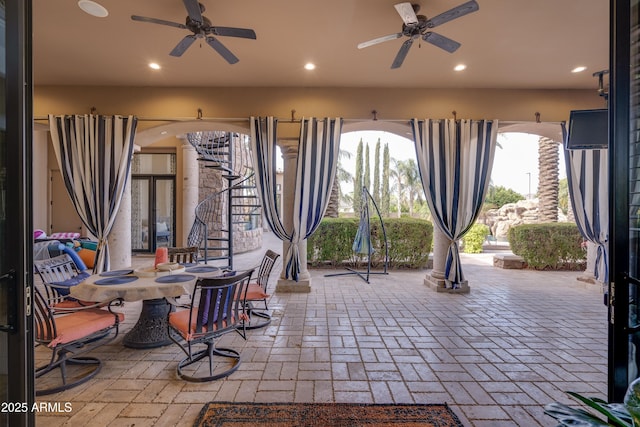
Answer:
(616, 413)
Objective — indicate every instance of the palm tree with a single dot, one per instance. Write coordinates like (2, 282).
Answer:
(548, 184)
(336, 196)
(408, 169)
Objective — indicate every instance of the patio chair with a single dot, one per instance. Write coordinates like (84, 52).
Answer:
(186, 255)
(78, 331)
(217, 308)
(257, 291)
(58, 274)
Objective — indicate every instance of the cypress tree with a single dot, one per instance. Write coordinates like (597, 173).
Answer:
(376, 174)
(385, 195)
(367, 169)
(357, 181)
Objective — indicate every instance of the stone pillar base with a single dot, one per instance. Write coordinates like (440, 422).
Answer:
(438, 285)
(587, 278)
(293, 287)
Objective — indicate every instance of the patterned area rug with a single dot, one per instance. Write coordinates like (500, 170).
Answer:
(222, 414)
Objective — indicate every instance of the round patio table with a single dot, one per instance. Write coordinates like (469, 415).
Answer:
(150, 286)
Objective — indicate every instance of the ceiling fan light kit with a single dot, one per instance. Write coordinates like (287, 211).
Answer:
(201, 28)
(419, 26)
(93, 8)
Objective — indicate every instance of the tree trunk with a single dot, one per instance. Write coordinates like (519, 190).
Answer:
(548, 183)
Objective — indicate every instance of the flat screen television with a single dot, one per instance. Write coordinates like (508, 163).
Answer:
(588, 129)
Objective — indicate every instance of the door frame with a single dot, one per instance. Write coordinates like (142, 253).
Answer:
(17, 245)
(619, 231)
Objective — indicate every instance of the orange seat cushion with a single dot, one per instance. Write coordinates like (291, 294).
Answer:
(255, 292)
(179, 320)
(81, 324)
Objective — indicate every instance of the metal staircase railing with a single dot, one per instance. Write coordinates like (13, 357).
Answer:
(220, 214)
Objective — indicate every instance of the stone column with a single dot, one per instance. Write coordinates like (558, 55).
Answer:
(290, 154)
(190, 188)
(120, 237)
(435, 280)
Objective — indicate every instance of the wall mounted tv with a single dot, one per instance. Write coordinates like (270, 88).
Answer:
(588, 129)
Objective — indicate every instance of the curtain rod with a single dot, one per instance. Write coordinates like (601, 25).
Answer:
(234, 119)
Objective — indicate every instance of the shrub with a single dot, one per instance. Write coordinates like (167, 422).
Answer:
(409, 240)
(550, 246)
(474, 238)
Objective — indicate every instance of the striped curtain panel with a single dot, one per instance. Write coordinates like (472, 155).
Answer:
(588, 182)
(94, 154)
(455, 160)
(315, 172)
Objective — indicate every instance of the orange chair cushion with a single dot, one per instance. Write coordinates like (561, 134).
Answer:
(255, 293)
(82, 323)
(179, 320)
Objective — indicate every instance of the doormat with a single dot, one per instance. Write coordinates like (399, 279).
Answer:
(239, 414)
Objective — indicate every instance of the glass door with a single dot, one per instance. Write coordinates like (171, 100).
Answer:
(153, 212)
(16, 278)
(153, 200)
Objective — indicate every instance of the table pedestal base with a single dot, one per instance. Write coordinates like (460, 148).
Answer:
(151, 329)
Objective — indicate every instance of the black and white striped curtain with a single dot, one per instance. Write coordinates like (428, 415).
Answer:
(94, 154)
(455, 158)
(588, 182)
(315, 172)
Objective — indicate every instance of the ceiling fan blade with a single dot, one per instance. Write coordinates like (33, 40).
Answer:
(441, 41)
(183, 45)
(402, 53)
(222, 50)
(456, 12)
(245, 33)
(193, 9)
(158, 21)
(406, 12)
(379, 40)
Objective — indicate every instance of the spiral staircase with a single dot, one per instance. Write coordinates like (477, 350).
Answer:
(235, 207)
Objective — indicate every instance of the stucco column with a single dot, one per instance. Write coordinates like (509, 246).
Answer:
(435, 280)
(290, 155)
(120, 237)
(190, 188)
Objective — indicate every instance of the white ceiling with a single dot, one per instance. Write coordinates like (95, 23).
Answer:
(506, 44)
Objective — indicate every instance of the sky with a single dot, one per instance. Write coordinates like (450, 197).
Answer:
(515, 165)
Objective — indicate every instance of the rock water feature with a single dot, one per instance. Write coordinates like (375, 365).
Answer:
(501, 220)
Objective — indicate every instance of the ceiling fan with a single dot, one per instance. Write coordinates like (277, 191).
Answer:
(415, 26)
(201, 27)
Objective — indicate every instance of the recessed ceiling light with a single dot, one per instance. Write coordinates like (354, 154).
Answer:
(579, 69)
(93, 8)
(154, 66)
(460, 67)
(309, 66)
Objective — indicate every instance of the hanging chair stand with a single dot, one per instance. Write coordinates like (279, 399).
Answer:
(365, 219)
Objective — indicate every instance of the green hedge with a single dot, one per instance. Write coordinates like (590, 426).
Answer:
(475, 237)
(409, 239)
(552, 246)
